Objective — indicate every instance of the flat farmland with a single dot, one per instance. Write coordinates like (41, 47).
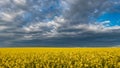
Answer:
(59, 57)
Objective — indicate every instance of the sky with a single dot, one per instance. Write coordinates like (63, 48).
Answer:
(59, 23)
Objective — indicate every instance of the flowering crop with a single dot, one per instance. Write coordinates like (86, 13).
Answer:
(59, 57)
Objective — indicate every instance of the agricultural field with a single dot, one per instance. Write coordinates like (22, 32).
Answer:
(59, 57)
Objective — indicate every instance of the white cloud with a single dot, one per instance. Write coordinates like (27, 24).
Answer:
(3, 2)
(9, 16)
(19, 2)
(52, 26)
(98, 28)
(6, 16)
(3, 28)
(37, 26)
(60, 22)
(28, 37)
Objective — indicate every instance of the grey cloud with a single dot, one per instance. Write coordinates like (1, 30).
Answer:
(72, 23)
(92, 40)
(81, 10)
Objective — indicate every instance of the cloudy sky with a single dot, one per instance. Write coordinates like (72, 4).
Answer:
(71, 23)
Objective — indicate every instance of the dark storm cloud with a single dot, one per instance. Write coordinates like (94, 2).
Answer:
(103, 39)
(56, 23)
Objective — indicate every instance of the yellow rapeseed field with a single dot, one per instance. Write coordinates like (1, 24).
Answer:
(59, 57)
